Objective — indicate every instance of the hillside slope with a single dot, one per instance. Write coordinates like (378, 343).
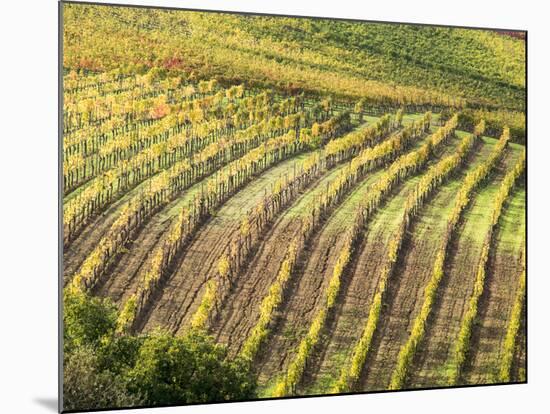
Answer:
(419, 63)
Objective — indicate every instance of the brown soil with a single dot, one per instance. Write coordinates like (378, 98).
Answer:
(405, 293)
(79, 248)
(456, 287)
(124, 276)
(519, 366)
(238, 315)
(306, 292)
(182, 293)
(239, 312)
(344, 327)
(309, 284)
(504, 269)
(404, 298)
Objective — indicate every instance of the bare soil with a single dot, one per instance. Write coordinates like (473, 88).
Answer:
(504, 270)
(456, 288)
(405, 293)
(183, 291)
(344, 327)
(240, 311)
(310, 280)
(86, 240)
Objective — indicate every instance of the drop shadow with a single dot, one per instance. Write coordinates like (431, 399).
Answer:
(47, 402)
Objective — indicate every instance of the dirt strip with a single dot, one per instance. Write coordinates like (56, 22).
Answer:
(454, 292)
(413, 271)
(122, 279)
(239, 313)
(311, 278)
(344, 327)
(85, 242)
(504, 269)
(310, 282)
(182, 293)
(519, 365)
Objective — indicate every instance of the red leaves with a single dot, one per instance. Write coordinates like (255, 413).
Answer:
(172, 63)
(160, 111)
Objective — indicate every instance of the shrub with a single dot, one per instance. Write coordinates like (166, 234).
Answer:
(103, 367)
(86, 386)
(188, 369)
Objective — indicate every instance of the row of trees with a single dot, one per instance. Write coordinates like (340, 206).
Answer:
(93, 108)
(128, 109)
(254, 223)
(174, 130)
(342, 149)
(100, 117)
(80, 167)
(167, 185)
(510, 340)
(108, 151)
(430, 181)
(142, 113)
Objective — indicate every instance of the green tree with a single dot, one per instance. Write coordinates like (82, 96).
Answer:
(188, 369)
(87, 386)
(86, 320)
(103, 368)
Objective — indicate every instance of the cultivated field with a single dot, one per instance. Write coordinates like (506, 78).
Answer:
(334, 242)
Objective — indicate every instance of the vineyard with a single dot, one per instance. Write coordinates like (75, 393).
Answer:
(333, 242)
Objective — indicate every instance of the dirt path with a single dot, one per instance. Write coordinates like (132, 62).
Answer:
(306, 290)
(122, 280)
(498, 297)
(406, 289)
(310, 283)
(183, 290)
(344, 327)
(457, 284)
(238, 315)
(519, 366)
(78, 250)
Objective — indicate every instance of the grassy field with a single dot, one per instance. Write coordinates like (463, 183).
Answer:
(239, 184)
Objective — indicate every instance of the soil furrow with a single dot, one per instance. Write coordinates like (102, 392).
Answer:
(342, 330)
(519, 365)
(181, 295)
(496, 303)
(311, 280)
(83, 244)
(237, 317)
(413, 271)
(457, 284)
(122, 280)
